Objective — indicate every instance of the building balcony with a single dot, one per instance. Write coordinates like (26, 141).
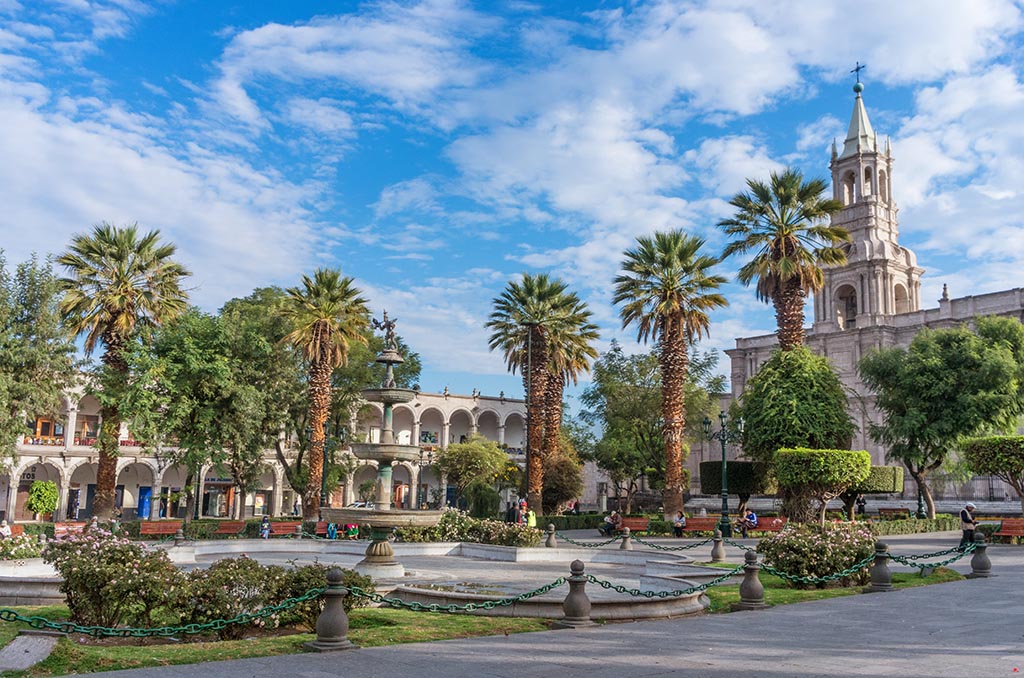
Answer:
(53, 441)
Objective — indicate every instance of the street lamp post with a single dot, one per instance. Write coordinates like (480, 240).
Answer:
(725, 436)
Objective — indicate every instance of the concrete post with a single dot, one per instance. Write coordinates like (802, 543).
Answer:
(576, 606)
(627, 544)
(298, 531)
(981, 565)
(179, 537)
(881, 577)
(332, 625)
(551, 542)
(718, 549)
(751, 590)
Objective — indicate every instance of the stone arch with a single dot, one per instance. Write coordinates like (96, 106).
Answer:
(403, 420)
(515, 432)
(902, 299)
(487, 423)
(368, 422)
(883, 185)
(846, 306)
(137, 478)
(24, 475)
(460, 425)
(402, 478)
(869, 182)
(432, 423)
(849, 188)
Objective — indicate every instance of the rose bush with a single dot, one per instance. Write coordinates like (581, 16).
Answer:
(458, 525)
(809, 550)
(20, 547)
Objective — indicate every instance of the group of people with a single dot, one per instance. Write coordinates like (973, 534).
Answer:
(351, 531)
(520, 513)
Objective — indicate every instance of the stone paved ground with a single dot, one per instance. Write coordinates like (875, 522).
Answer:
(964, 629)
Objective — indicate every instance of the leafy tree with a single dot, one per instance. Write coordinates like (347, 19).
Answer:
(563, 473)
(474, 461)
(327, 315)
(947, 385)
(820, 474)
(785, 223)
(666, 290)
(881, 480)
(745, 478)
(999, 456)
(795, 400)
(42, 497)
(119, 286)
(37, 361)
(541, 328)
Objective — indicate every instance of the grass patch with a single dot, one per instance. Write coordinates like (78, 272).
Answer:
(368, 628)
(778, 592)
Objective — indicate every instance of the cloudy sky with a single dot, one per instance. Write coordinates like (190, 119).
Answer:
(434, 149)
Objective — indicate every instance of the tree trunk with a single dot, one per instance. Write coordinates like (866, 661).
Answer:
(536, 383)
(319, 409)
(920, 478)
(675, 363)
(552, 415)
(789, 314)
(106, 474)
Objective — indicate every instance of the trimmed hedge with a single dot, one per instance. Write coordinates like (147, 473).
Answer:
(583, 521)
(881, 480)
(818, 474)
(745, 477)
(941, 523)
(1000, 456)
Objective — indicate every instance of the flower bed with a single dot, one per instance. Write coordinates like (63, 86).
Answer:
(809, 550)
(20, 547)
(457, 525)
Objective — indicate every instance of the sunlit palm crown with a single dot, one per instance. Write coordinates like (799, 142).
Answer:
(786, 224)
(119, 282)
(539, 302)
(666, 285)
(327, 314)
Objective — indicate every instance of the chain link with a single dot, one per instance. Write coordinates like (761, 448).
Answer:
(738, 545)
(909, 561)
(659, 547)
(810, 579)
(587, 544)
(468, 607)
(664, 594)
(42, 623)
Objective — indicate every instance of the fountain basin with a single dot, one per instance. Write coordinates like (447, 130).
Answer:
(388, 395)
(381, 519)
(388, 452)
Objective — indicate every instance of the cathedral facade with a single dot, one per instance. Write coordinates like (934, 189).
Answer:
(874, 300)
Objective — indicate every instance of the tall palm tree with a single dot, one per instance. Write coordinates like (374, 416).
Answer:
(570, 350)
(326, 315)
(666, 290)
(786, 224)
(524, 316)
(118, 283)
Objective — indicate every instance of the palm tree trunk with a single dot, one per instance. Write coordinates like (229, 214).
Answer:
(536, 377)
(110, 430)
(553, 415)
(789, 314)
(675, 364)
(319, 409)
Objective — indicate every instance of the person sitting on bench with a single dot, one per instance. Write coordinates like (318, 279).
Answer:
(747, 522)
(612, 523)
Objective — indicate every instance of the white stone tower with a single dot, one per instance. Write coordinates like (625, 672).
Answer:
(881, 278)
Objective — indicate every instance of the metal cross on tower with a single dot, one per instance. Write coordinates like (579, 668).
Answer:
(860, 67)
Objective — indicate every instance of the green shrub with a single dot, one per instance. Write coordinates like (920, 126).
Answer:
(808, 550)
(42, 497)
(942, 522)
(1000, 456)
(110, 580)
(300, 579)
(584, 521)
(819, 474)
(20, 547)
(231, 587)
(457, 525)
(37, 529)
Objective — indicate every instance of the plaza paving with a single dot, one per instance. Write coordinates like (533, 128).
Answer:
(962, 629)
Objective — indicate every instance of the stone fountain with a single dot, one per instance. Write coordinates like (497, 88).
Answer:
(380, 559)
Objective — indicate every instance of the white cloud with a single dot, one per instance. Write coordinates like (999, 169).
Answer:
(725, 163)
(323, 116)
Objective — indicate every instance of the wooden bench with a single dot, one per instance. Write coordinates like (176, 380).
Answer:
(710, 524)
(1011, 527)
(158, 528)
(769, 524)
(230, 527)
(284, 528)
(635, 524)
(701, 524)
(61, 530)
(893, 513)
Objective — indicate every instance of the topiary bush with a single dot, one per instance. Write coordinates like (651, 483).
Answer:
(819, 474)
(42, 497)
(745, 478)
(569, 521)
(456, 525)
(942, 522)
(231, 587)
(1000, 456)
(880, 480)
(809, 550)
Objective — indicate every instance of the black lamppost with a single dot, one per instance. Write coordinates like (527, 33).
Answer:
(429, 458)
(725, 436)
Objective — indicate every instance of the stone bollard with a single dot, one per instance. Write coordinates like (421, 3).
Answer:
(576, 605)
(179, 537)
(718, 549)
(881, 577)
(298, 531)
(751, 590)
(41, 538)
(981, 565)
(332, 624)
(627, 543)
(551, 542)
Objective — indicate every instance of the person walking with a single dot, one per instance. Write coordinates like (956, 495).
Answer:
(967, 524)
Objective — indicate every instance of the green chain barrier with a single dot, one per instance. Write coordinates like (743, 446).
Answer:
(468, 607)
(853, 569)
(909, 561)
(664, 594)
(41, 623)
(587, 544)
(936, 554)
(659, 547)
(738, 545)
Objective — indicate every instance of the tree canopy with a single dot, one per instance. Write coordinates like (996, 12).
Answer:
(1000, 456)
(820, 474)
(476, 460)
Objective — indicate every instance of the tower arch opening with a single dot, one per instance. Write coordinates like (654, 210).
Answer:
(849, 188)
(846, 307)
(902, 299)
(868, 181)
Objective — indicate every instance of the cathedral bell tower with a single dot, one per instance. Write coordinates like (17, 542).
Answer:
(880, 278)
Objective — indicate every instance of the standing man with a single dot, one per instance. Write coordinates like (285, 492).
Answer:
(967, 524)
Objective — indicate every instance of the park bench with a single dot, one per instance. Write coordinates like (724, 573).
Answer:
(1011, 527)
(769, 524)
(710, 524)
(636, 524)
(893, 513)
(158, 528)
(61, 530)
(285, 528)
(230, 527)
(701, 524)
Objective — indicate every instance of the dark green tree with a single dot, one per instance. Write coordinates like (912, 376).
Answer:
(820, 474)
(999, 456)
(947, 385)
(746, 478)
(474, 461)
(881, 480)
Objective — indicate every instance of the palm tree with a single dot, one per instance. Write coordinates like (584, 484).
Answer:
(787, 225)
(524, 316)
(117, 284)
(570, 351)
(666, 289)
(326, 315)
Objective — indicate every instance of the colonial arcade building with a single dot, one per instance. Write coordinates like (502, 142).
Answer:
(61, 449)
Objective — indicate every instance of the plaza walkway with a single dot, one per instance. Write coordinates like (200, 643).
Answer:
(963, 629)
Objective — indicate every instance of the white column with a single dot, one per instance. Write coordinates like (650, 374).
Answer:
(501, 435)
(415, 433)
(12, 494)
(413, 501)
(69, 428)
(62, 503)
(200, 491)
(446, 430)
(278, 492)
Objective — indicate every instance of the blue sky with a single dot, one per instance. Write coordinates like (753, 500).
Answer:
(434, 149)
